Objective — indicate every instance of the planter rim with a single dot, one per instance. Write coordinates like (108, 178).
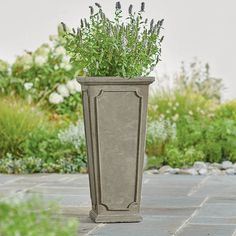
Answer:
(114, 80)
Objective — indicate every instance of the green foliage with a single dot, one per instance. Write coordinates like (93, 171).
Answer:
(44, 77)
(227, 110)
(4, 76)
(30, 144)
(4, 68)
(174, 104)
(33, 217)
(17, 122)
(74, 135)
(115, 47)
(30, 165)
(177, 157)
(216, 138)
(205, 129)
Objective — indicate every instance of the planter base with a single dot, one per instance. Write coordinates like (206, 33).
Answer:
(114, 218)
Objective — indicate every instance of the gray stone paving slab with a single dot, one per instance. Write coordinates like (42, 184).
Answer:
(167, 202)
(208, 230)
(223, 200)
(223, 210)
(186, 212)
(177, 205)
(206, 220)
(42, 189)
(150, 226)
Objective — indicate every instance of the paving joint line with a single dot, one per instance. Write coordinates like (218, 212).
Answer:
(215, 224)
(198, 186)
(12, 180)
(185, 223)
(95, 228)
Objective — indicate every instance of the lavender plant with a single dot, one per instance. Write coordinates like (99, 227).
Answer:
(123, 46)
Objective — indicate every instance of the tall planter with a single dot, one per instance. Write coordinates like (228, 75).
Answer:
(115, 111)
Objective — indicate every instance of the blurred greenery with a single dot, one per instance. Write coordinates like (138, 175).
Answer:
(41, 125)
(33, 217)
(30, 142)
(205, 128)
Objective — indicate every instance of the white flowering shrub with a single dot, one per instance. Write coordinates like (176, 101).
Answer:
(45, 77)
(74, 135)
(159, 133)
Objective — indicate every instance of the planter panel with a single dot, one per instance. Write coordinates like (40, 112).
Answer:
(118, 129)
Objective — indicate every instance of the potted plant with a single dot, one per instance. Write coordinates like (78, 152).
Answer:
(115, 56)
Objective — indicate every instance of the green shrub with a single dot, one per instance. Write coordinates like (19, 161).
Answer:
(33, 217)
(173, 105)
(30, 144)
(123, 46)
(30, 165)
(44, 77)
(227, 110)
(17, 122)
(4, 76)
(176, 157)
(205, 129)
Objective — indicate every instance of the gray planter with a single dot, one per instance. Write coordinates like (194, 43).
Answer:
(115, 111)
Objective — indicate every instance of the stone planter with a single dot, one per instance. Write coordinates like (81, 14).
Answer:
(115, 111)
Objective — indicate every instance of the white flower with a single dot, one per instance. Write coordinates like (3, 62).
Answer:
(190, 113)
(63, 90)
(202, 112)
(66, 59)
(26, 59)
(45, 51)
(28, 86)
(175, 117)
(60, 51)
(74, 134)
(40, 60)
(73, 86)
(162, 116)
(56, 67)
(161, 130)
(55, 98)
(66, 66)
(26, 66)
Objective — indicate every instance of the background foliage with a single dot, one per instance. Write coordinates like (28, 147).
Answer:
(41, 125)
(205, 128)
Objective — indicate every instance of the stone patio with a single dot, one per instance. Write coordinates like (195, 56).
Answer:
(177, 205)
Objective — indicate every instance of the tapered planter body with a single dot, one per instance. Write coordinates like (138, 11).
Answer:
(115, 111)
